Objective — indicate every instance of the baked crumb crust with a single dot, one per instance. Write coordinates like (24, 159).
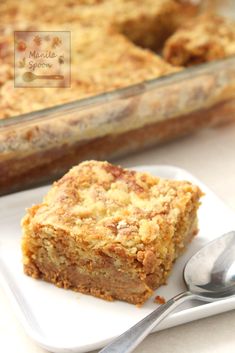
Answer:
(109, 231)
(108, 49)
(202, 39)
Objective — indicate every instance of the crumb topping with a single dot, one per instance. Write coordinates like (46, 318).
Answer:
(106, 205)
(202, 39)
(101, 52)
(159, 300)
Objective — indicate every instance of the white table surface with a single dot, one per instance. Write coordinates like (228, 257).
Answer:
(209, 155)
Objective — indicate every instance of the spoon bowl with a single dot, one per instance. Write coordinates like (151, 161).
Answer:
(28, 76)
(210, 273)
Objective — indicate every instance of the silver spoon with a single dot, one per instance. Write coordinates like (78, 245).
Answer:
(209, 276)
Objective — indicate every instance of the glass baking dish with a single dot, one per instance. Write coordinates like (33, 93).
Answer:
(40, 146)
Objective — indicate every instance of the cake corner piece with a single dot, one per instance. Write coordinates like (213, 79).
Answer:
(110, 232)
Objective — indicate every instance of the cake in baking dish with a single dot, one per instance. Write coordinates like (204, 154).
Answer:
(113, 44)
(109, 232)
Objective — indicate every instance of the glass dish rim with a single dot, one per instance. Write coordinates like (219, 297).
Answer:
(120, 93)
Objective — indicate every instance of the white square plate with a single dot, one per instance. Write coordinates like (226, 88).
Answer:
(65, 321)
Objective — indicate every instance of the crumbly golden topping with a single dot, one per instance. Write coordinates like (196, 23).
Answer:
(103, 205)
(202, 39)
(103, 54)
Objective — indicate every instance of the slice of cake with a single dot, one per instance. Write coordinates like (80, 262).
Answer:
(109, 232)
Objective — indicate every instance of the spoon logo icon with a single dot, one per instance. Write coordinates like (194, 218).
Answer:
(30, 76)
(42, 59)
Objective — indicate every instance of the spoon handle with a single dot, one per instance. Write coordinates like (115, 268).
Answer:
(51, 77)
(130, 339)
